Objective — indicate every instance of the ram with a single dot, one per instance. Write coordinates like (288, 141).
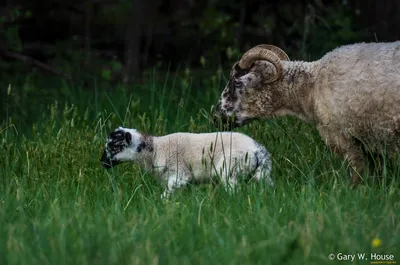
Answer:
(351, 95)
(182, 158)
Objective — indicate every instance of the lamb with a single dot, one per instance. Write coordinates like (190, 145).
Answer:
(181, 158)
(351, 95)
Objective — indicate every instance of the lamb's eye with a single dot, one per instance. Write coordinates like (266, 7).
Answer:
(237, 84)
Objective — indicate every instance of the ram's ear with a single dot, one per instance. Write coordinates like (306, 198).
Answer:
(128, 138)
(239, 71)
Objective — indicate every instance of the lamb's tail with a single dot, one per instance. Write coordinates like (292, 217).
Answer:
(263, 166)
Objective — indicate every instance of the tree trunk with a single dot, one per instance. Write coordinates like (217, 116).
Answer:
(147, 44)
(132, 42)
(88, 31)
(239, 37)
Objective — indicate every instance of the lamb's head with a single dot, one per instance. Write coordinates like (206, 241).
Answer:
(253, 88)
(122, 145)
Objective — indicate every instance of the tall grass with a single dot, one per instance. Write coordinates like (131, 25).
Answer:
(59, 206)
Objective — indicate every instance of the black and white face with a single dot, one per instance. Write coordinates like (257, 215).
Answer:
(122, 145)
(228, 108)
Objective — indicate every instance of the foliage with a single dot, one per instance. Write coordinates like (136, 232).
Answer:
(89, 40)
(10, 26)
(59, 206)
(325, 30)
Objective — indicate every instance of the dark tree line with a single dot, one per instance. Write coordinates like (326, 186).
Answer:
(123, 37)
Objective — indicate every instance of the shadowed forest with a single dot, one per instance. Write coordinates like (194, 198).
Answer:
(118, 40)
(103, 43)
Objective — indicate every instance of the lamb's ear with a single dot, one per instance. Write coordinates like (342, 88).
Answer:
(141, 146)
(128, 138)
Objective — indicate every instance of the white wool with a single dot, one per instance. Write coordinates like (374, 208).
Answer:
(351, 95)
(182, 158)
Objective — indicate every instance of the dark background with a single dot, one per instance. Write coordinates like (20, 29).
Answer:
(117, 40)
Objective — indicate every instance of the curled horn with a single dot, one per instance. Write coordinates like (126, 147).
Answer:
(278, 51)
(259, 53)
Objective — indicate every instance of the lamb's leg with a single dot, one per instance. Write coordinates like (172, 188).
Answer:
(174, 182)
(350, 149)
(262, 174)
(229, 180)
(263, 171)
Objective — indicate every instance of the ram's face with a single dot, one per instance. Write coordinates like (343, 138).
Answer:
(246, 96)
(120, 147)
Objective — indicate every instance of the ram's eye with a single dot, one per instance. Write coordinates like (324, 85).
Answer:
(237, 84)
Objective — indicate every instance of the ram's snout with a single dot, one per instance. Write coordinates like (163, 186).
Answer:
(107, 162)
(222, 120)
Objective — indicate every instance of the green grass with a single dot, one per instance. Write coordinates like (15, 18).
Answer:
(59, 206)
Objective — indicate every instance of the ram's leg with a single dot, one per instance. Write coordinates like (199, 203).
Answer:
(356, 161)
(174, 182)
(346, 146)
(376, 161)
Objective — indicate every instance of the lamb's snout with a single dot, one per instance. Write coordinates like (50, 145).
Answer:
(107, 162)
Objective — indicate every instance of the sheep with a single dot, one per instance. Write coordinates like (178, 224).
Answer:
(181, 158)
(351, 95)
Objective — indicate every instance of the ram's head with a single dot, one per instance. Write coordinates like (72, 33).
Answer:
(251, 91)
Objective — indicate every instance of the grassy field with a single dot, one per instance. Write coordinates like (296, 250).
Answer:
(59, 206)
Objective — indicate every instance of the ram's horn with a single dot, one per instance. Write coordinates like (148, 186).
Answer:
(258, 53)
(278, 51)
